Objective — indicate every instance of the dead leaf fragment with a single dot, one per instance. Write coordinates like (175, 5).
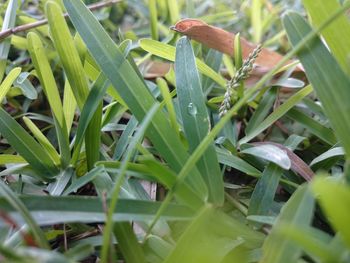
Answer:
(223, 41)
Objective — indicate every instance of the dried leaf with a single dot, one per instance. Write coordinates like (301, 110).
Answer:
(223, 41)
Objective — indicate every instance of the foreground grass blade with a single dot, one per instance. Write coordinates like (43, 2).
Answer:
(90, 209)
(128, 243)
(131, 88)
(26, 146)
(337, 34)
(334, 199)
(16, 203)
(329, 81)
(211, 236)
(195, 118)
(298, 211)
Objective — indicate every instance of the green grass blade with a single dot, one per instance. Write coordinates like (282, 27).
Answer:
(337, 34)
(298, 211)
(43, 68)
(195, 118)
(334, 199)
(26, 146)
(324, 133)
(152, 7)
(327, 74)
(67, 51)
(262, 111)
(168, 52)
(264, 191)
(69, 105)
(127, 243)
(211, 236)
(8, 81)
(45, 143)
(164, 89)
(8, 159)
(8, 22)
(17, 204)
(174, 12)
(277, 114)
(87, 209)
(131, 88)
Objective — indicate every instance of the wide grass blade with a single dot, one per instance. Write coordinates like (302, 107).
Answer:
(131, 88)
(211, 236)
(195, 118)
(298, 211)
(85, 209)
(334, 199)
(328, 79)
(27, 147)
(337, 34)
(16, 203)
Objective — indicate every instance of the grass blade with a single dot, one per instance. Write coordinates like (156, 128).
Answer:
(327, 74)
(27, 147)
(195, 117)
(131, 88)
(8, 81)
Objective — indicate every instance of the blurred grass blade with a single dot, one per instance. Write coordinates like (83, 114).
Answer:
(328, 73)
(277, 114)
(264, 192)
(27, 147)
(45, 143)
(298, 212)
(174, 12)
(256, 20)
(337, 34)
(168, 52)
(9, 158)
(131, 88)
(152, 7)
(195, 118)
(8, 81)
(87, 209)
(334, 199)
(8, 22)
(128, 243)
(211, 236)
(16, 203)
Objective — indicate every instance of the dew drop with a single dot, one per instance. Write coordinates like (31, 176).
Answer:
(192, 109)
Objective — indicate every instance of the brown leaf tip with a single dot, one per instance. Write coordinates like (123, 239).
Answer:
(186, 24)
